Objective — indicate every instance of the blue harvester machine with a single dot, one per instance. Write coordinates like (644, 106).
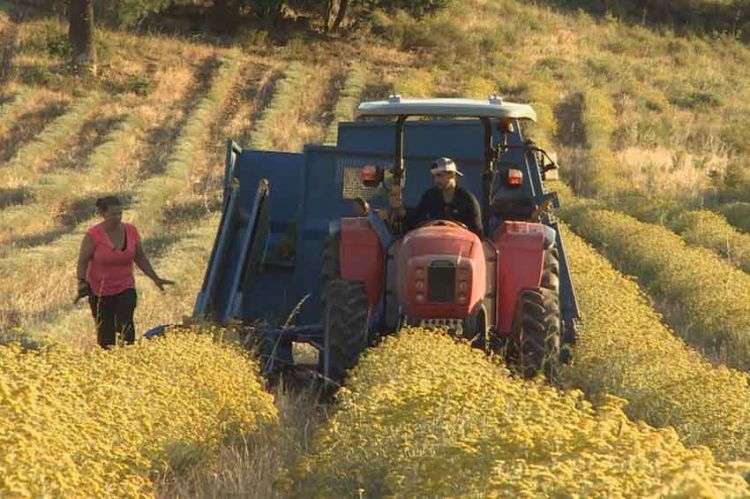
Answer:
(292, 264)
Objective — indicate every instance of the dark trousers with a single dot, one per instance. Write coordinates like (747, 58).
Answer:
(114, 314)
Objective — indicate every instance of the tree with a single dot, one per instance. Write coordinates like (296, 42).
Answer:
(343, 5)
(81, 34)
(340, 15)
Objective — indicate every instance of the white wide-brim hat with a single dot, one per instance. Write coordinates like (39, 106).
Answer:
(444, 164)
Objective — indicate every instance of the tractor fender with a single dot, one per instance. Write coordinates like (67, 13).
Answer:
(521, 247)
(362, 257)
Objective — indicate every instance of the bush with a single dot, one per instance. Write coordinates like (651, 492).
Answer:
(707, 299)
(624, 349)
(415, 83)
(49, 38)
(106, 423)
(129, 12)
(424, 416)
(415, 8)
(698, 99)
(738, 214)
(702, 16)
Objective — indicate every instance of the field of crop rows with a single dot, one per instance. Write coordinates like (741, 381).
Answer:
(655, 215)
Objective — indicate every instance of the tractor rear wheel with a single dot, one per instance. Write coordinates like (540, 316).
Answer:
(331, 266)
(346, 324)
(536, 333)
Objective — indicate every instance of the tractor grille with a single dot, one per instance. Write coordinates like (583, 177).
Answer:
(441, 280)
(454, 324)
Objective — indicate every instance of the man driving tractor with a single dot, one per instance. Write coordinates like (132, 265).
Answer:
(446, 201)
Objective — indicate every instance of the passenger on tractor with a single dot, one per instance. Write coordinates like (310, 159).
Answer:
(446, 201)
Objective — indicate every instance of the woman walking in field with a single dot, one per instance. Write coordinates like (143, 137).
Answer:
(105, 272)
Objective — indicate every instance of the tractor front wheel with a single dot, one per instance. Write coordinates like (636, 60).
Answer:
(536, 333)
(346, 327)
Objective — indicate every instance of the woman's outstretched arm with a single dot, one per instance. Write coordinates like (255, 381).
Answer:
(145, 265)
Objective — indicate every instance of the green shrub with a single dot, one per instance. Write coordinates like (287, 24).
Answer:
(738, 214)
(416, 8)
(129, 12)
(48, 38)
(698, 99)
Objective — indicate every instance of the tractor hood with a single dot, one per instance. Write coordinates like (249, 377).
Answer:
(441, 272)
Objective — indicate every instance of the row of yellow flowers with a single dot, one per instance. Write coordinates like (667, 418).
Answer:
(624, 349)
(705, 298)
(426, 416)
(104, 424)
(712, 231)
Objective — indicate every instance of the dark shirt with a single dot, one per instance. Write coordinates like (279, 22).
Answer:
(464, 208)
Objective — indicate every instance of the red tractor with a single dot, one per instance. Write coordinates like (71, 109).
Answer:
(501, 290)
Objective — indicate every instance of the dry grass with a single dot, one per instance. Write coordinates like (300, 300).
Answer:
(670, 93)
(207, 177)
(130, 152)
(63, 321)
(134, 149)
(667, 173)
(179, 262)
(38, 155)
(294, 116)
(259, 467)
(348, 95)
(415, 83)
(157, 194)
(26, 116)
(253, 99)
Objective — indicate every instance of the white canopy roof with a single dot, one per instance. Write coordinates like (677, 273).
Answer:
(493, 107)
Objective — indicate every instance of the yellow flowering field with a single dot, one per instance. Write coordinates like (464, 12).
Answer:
(426, 416)
(624, 349)
(707, 299)
(712, 231)
(105, 424)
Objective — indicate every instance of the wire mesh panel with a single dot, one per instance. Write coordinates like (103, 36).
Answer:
(348, 177)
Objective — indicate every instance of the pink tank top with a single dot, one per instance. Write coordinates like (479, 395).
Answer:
(110, 269)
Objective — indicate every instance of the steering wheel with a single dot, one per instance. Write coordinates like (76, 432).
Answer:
(442, 222)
